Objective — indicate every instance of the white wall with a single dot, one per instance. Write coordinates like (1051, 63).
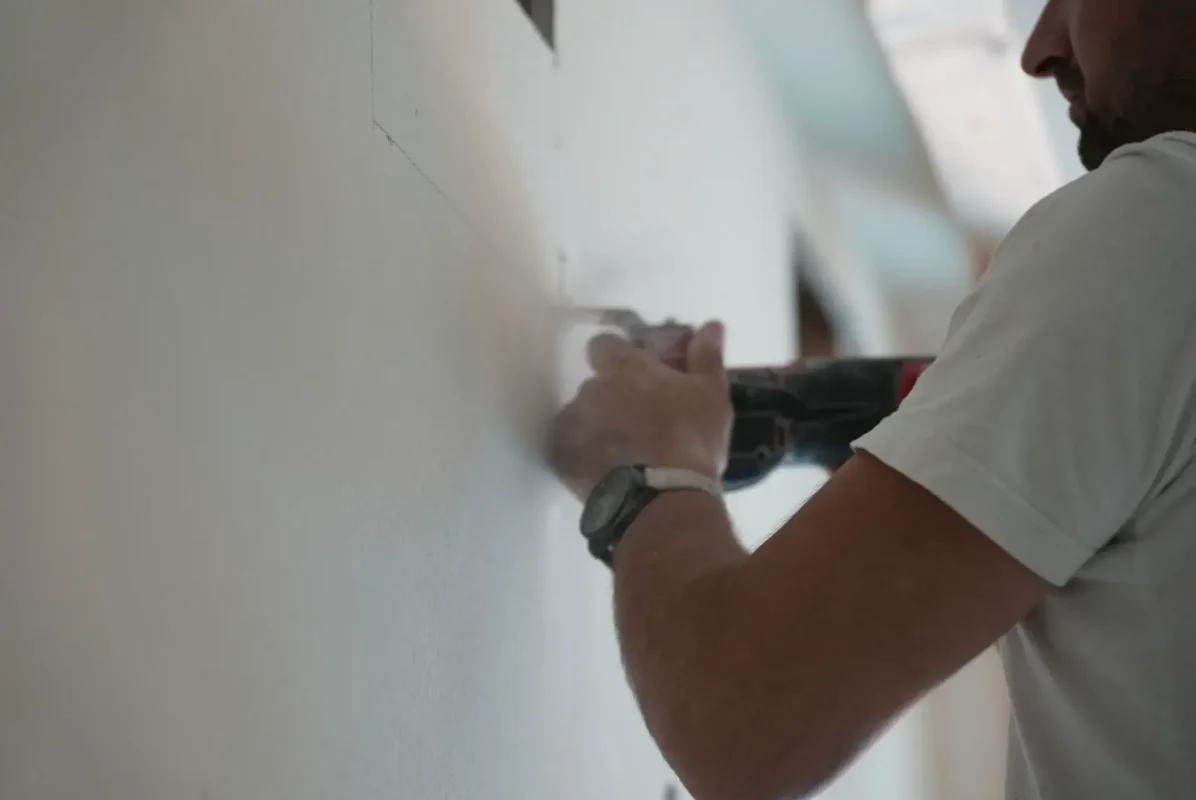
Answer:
(274, 353)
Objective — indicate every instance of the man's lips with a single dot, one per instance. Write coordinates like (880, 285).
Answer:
(1077, 108)
(1076, 112)
(1070, 85)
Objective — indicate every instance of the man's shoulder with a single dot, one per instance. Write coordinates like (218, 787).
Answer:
(1175, 150)
(1137, 210)
(1154, 176)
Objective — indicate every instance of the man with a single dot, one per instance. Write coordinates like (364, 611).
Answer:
(1036, 490)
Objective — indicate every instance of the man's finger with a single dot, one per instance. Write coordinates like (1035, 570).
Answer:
(608, 352)
(705, 356)
(669, 344)
(566, 442)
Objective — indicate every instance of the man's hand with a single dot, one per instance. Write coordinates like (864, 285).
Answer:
(638, 410)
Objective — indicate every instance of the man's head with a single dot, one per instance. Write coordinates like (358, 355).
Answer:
(1128, 68)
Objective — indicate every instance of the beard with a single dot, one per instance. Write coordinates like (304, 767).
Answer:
(1101, 131)
(1150, 97)
(1150, 102)
(1100, 137)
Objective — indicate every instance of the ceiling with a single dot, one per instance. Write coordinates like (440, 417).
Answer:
(925, 96)
(998, 142)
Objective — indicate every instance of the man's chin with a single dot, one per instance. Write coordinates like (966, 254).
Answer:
(1100, 136)
(1090, 157)
(1095, 146)
(1077, 114)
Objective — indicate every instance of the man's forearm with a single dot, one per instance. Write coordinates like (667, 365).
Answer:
(734, 718)
(673, 560)
(674, 576)
(681, 538)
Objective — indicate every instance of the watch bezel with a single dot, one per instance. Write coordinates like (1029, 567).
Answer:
(619, 485)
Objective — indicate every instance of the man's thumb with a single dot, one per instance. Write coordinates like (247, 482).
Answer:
(705, 354)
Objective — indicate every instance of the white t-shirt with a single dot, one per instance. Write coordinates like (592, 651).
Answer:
(1060, 420)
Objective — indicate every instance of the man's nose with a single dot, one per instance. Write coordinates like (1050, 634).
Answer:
(1049, 43)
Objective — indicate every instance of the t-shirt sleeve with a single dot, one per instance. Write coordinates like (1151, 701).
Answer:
(1061, 400)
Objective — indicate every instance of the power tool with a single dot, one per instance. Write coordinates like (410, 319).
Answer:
(805, 413)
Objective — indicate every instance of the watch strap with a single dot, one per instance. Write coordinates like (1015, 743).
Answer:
(666, 479)
(655, 481)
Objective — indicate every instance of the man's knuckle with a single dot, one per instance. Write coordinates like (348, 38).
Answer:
(605, 349)
(591, 391)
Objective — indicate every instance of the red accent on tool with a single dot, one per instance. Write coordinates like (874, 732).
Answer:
(910, 372)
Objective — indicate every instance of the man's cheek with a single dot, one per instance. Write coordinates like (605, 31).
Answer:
(1108, 37)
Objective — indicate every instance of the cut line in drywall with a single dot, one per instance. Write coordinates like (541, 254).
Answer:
(448, 201)
(373, 63)
(479, 129)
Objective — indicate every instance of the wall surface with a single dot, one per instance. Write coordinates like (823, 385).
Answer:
(275, 349)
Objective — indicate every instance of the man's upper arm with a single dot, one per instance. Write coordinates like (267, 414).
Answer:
(898, 592)
(1055, 407)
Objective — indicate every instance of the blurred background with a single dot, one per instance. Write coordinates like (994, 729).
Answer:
(277, 282)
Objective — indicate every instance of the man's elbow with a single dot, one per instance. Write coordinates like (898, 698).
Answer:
(749, 757)
(733, 729)
(747, 787)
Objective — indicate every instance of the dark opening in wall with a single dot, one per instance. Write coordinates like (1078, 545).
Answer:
(820, 329)
(543, 15)
(816, 333)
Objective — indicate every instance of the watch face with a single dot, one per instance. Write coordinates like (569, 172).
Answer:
(607, 500)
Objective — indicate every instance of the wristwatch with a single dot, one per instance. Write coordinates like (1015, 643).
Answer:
(625, 492)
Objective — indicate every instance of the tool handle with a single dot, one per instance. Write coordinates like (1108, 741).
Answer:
(808, 412)
(811, 411)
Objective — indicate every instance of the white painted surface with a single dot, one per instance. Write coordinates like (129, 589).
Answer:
(268, 528)
(272, 523)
